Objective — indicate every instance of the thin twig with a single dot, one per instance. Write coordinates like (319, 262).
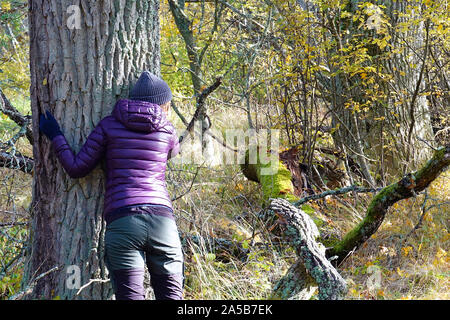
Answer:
(12, 224)
(192, 183)
(91, 281)
(8, 109)
(335, 192)
(30, 287)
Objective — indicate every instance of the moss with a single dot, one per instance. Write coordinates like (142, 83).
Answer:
(328, 242)
(277, 185)
(433, 167)
(387, 197)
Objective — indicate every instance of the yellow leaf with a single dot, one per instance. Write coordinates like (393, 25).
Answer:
(44, 83)
(441, 253)
(6, 6)
(406, 250)
(446, 237)
(401, 273)
(353, 292)
(436, 262)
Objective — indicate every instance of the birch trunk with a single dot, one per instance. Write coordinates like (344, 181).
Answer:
(82, 59)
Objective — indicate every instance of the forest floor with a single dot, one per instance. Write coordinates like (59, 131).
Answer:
(395, 263)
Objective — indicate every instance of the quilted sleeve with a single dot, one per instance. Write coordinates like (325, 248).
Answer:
(175, 145)
(87, 158)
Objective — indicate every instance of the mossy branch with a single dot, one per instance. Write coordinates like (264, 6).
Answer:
(301, 230)
(407, 187)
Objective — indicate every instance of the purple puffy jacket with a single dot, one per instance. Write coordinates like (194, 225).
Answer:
(137, 140)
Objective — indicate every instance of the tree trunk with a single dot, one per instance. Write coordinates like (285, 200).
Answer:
(82, 58)
(362, 136)
(184, 26)
(276, 185)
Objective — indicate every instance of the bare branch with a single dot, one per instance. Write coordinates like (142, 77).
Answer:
(8, 109)
(335, 192)
(30, 287)
(91, 281)
(190, 187)
(16, 162)
(407, 187)
(200, 111)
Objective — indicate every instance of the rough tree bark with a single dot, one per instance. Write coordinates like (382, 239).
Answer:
(301, 230)
(79, 68)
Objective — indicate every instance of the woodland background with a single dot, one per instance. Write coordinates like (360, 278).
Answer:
(359, 91)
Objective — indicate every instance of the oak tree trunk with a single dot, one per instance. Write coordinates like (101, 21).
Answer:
(79, 68)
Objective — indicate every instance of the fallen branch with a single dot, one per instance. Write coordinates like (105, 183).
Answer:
(218, 246)
(16, 162)
(302, 231)
(407, 187)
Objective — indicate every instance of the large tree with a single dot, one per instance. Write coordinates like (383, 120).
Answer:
(365, 65)
(83, 57)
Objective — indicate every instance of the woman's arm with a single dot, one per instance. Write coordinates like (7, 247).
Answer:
(79, 165)
(83, 162)
(175, 146)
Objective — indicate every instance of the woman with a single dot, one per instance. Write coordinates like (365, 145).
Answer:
(137, 139)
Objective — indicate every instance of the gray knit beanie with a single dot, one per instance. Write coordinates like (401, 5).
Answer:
(152, 89)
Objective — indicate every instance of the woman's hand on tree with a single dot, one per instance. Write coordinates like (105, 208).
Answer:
(49, 126)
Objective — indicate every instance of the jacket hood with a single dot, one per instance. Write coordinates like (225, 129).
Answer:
(139, 115)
